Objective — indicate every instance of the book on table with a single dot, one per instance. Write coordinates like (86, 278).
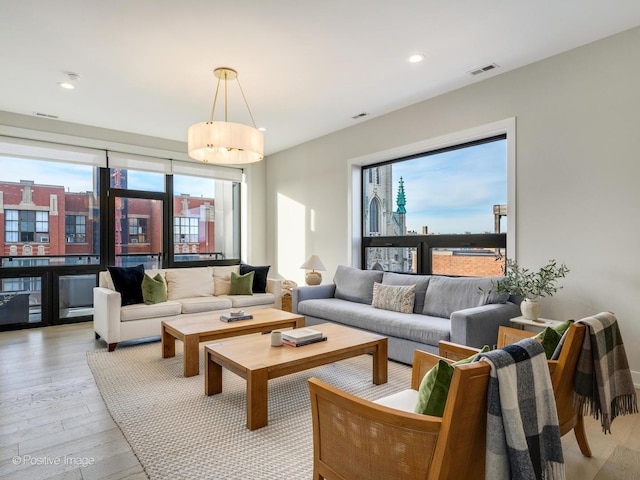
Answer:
(298, 335)
(303, 343)
(235, 318)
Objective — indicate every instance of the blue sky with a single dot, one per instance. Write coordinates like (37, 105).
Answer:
(454, 192)
(79, 178)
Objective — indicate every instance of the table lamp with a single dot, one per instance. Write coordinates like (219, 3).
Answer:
(314, 263)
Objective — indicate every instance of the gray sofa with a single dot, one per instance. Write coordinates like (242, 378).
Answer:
(465, 310)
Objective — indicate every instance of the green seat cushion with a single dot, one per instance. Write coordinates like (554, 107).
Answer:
(153, 289)
(550, 337)
(434, 388)
(241, 284)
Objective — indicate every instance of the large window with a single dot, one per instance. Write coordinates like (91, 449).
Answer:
(206, 218)
(67, 212)
(49, 207)
(442, 211)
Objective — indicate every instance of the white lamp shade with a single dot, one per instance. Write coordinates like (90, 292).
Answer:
(225, 142)
(314, 263)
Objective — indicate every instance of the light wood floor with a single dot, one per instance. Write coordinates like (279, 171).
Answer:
(51, 412)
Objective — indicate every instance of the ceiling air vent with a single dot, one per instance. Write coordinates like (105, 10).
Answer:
(484, 69)
(44, 115)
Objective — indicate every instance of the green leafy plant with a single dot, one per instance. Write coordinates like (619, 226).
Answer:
(525, 283)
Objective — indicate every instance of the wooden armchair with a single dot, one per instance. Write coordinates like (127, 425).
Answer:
(357, 439)
(562, 372)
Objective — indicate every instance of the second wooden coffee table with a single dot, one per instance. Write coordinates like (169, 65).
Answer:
(207, 327)
(254, 359)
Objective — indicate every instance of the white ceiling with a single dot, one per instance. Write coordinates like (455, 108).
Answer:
(306, 66)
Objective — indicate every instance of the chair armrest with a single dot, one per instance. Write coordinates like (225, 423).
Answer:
(274, 286)
(478, 326)
(455, 352)
(106, 314)
(298, 294)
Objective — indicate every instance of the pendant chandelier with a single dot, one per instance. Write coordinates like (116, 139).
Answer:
(225, 142)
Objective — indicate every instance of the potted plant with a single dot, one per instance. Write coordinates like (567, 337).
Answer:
(530, 285)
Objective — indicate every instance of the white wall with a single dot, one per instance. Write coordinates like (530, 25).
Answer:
(578, 167)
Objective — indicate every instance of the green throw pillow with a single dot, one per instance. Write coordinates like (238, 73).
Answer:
(241, 284)
(434, 388)
(550, 337)
(153, 289)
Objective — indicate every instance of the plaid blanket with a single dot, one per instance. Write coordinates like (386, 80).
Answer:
(603, 384)
(523, 438)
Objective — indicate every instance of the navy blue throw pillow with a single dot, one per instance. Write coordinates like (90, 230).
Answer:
(128, 282)
(259, 277)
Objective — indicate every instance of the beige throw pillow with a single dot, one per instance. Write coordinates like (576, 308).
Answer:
(393, 297)
(189, 282)
(222, 278)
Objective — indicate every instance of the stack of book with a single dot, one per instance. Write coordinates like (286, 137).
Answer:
(235, 316)
(302, 336)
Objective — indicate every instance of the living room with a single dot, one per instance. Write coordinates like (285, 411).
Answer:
(570, 119)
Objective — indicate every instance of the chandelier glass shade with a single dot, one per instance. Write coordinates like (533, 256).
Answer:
(225, 142)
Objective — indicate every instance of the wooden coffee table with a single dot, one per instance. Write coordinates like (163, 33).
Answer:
(254, 359)
(207, 327)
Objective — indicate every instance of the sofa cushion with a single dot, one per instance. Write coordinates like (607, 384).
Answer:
(259, 277)
(355, 285)
(203, 304)
(242, 284)
(153, 289)
(446, 295)
(420, 281)
(257, 299)
(189, 282)
(222, 278)
(417, 327)
(394, 297)
(141, 311)
(404, 400)
(128, 282)
(221, 285)
(225, 271)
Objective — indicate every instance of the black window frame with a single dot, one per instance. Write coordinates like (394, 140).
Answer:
(424, 244)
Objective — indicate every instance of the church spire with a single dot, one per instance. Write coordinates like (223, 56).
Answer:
(401, 201)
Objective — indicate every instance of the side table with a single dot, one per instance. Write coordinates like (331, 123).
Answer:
(286, 303)
(532, 325)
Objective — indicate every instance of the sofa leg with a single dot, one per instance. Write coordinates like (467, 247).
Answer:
(97, 335)
(112, 346)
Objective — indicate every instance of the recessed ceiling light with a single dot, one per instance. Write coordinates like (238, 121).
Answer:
(416, 58)
(69, 82)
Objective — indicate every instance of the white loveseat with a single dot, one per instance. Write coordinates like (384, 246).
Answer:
(190, 292)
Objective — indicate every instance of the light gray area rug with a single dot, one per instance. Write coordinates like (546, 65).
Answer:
(179, 433)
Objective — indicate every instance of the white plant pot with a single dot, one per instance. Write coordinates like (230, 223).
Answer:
(530, 309)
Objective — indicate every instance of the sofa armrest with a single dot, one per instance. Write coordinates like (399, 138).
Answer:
(478, 326)
(298, 294)
(274, 286)
(106, 314)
